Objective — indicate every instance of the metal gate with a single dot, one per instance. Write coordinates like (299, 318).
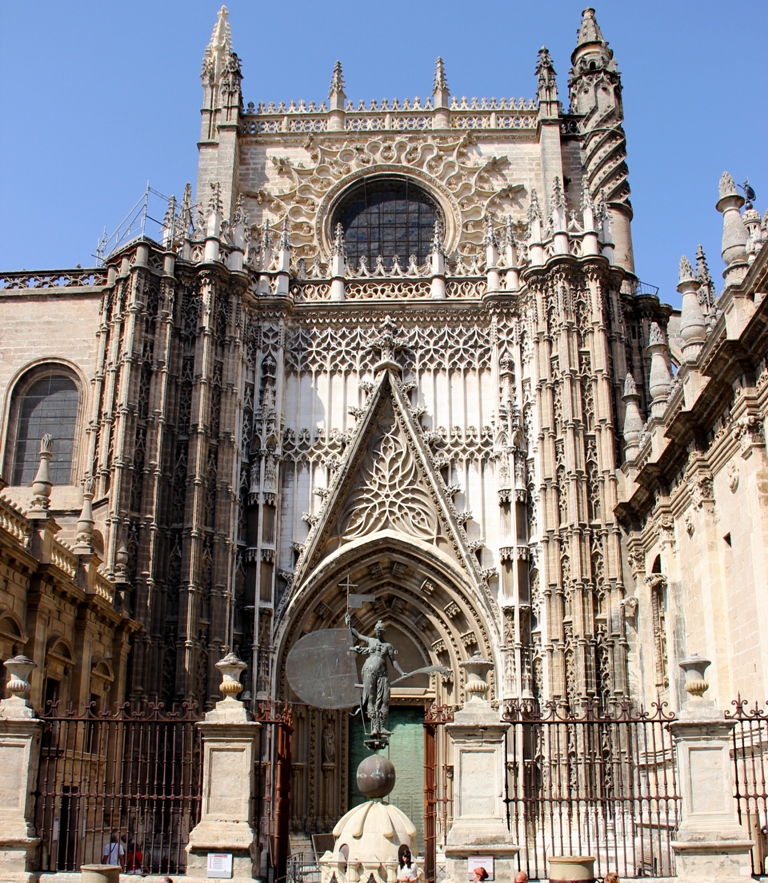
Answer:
(579, 782)
(133, 775)
(591, 781)
(749, 751)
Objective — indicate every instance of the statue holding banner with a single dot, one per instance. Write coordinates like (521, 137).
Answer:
(375, 698)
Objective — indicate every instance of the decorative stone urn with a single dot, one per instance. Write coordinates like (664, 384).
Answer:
(696, 684)
(476, 687)
(16, 706)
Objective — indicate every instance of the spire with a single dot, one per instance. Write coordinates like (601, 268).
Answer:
(185, 214)
(686, 273)
(337, 81)
(338, 247)
(707, 292)
(440, 83)
(734, 247)
(83, 541)
(219, 48)
(589, 32)
(42, 484)
(170, 225)
(547, 90)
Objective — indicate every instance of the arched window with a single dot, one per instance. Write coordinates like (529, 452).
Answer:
(387, 217)
(46, 400)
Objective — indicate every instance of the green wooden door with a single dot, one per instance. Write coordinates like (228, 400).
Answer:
(406, 751)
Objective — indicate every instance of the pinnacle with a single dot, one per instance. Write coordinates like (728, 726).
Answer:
(589, 32)
(222, 35)
(440, 82)
(337, 81)
(630, 387)
(727, 185)
(686, 271)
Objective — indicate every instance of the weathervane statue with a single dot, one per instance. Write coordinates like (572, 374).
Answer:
(375, 699)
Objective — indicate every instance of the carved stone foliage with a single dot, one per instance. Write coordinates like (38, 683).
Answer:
(390, 494)
(468, 185)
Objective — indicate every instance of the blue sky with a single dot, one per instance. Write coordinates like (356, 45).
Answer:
(100, 97)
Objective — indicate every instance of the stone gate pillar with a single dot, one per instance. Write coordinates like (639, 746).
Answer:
(20, 731)
(710, 843)
(479, 763)
(229, 754)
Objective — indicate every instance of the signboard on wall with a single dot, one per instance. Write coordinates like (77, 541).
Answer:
(220, 865)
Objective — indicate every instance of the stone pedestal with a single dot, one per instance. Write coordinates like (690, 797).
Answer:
(710, 844)
(100, 874)
(20, 732)
(229, 754)
(571, 868)
(479, 826)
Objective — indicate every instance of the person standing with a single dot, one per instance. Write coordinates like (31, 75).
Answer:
(113, 852)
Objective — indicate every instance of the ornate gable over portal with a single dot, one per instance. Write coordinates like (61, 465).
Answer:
(388, 481)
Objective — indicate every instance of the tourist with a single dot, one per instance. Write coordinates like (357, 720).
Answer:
(134, 859)
(521, 877)
(113, 852)
(611, 877)
(479, 874)
(407, 871)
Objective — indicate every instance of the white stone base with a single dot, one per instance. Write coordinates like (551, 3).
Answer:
(718, 862)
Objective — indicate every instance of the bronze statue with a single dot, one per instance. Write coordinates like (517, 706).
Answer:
(375, 701)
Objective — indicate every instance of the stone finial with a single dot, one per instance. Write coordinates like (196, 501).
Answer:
(42, 484)
(15, 706)
(170, 224)
(510, 255)
(656, 335)
(440, 83)
(121, 563)
(438, 245)
(489, 234)
(686, 273)
(707, 291)
(633, 422)
(285, 236)
(693, 328)
(727, 186)
(589, 31)
(337, 81)
(534, 209)
(338, 246)
(545, 71)
(83, 540)
(231, 667)
(660, 378)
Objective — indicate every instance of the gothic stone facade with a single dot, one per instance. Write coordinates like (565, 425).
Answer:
(482, 432)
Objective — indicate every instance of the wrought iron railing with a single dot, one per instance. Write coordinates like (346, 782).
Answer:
(136, 774)
(749, 750)
(590, 781)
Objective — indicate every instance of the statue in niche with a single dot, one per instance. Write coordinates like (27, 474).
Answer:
(329, 745)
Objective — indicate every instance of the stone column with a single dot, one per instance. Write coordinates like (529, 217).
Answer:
(229, 753)
(710, 843)
(20, 731)
(479, 770)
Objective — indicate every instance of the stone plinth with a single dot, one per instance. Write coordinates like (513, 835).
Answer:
(229, 754)
(19, 755)
(100, 874)
(479, 777)
(710, 844)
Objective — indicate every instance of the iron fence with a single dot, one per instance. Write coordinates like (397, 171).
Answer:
(590, 781)
(749, 753)
(135, 775)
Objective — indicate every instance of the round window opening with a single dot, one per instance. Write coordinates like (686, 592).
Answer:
(387, 217)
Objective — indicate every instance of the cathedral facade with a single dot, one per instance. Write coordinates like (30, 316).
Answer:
(402, 347)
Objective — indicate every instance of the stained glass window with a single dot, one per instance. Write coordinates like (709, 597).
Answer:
(387, 217)
(48, 404)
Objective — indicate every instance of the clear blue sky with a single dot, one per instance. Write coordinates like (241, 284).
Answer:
(99, 97)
